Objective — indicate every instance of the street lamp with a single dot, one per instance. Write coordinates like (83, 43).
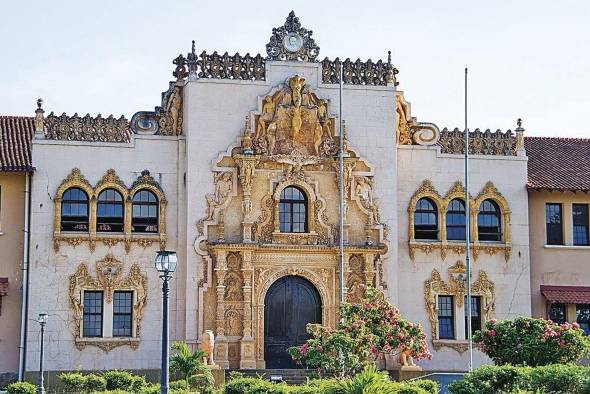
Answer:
(165, 264)
(42, 320)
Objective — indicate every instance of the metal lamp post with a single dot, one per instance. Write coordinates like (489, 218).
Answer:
(165, 264)
(42, 320)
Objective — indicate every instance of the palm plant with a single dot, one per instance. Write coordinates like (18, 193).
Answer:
(369, 381)
(186, 362)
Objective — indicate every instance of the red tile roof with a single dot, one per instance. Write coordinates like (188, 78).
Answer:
(566, 294)
(558, 163)
(16, 133)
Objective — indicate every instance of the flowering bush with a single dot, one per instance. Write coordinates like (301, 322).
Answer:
(366, 331)
(532, 342)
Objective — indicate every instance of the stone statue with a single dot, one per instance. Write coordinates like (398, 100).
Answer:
(174, 108)
(223, 186)
(208, 345)
(364, 189)
(404, 135)
(268, 112)
(406, 360)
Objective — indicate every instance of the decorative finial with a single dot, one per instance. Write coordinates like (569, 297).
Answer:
(39, 103)
(192, 63)
(519, 136)
(193, 48)
(39, 123)
(388, 57)
(519, 123)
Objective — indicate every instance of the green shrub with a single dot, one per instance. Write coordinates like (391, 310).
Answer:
(153, 388)
(111, 392)
(21, 388)
(73, 382)
(94, 382)
(554, 379)
(430, 386)
(235, 375)
(178, 386)
(408, 389)
(138, 383)
(254, 386)
(532, 342)
(119, 380)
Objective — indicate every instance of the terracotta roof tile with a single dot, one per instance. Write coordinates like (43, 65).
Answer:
(566, 294)
(16, 133)
(558, 163)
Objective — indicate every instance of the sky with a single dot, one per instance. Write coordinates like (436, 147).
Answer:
(527, 59)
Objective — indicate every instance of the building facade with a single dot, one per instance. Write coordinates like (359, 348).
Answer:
(237, 171)
(15, 170)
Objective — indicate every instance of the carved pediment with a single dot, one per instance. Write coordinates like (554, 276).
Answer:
(294, 121)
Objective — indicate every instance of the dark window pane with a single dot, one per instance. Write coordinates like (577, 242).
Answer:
(109, 211)
(446, 317)
(553, 224)
(292, 211)
(92, 324)
(123, 314)
(580, 220)
(144, 212)
(475, 315)
(488, 222)
(456, 220)
(583, 317)
(74, 210)
(425, 220)
(557, 313)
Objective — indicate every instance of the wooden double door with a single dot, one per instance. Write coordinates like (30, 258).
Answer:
(290, 304)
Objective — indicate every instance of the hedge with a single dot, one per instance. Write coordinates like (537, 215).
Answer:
(555, 379)
(21, 388)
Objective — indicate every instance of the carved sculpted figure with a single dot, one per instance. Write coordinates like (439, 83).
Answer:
(223, 186)
(174, 107)
(208, 344)
(364, 189)
(268, 112)
(404, 135)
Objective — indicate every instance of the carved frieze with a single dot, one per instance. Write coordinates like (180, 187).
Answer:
(87, 128)
(480, 143)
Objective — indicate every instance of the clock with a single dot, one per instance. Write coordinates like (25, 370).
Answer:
(292, 42)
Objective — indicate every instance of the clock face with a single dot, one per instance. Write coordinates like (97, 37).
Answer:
(293, 42)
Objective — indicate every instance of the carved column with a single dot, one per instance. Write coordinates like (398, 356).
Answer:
(247, 165)
(247, 356)
(369, 269)
(221, 346)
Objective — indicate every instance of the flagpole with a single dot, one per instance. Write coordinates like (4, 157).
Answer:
(467, 226)
(341, 190)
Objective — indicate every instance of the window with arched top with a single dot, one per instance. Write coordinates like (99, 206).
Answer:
(426, 219)
(455, 220)
(293, 210)
(74, 210)
(144, 212)
(109, 211)
(489, 224)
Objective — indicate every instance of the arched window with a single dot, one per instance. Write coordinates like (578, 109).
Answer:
(425, 220)
(144, 215)
(293, 211)
(456, 220)
(74, 210)
(489, 227)
(109, 211)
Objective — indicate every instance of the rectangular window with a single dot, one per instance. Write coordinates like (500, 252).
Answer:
(122, 314)
(553, 224)
(557, 313)
(475, 315)
(583, 317)
(446, 317)
(92, 314)
(580, 219)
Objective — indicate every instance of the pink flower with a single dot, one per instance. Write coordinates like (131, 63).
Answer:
(491, 333)
(575, 325)
(493, 321)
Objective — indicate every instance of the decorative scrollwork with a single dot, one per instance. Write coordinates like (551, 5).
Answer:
(87, 128)
(378, 73)
(226, 66)
(292, 42)
(166, 119)
(480, 143)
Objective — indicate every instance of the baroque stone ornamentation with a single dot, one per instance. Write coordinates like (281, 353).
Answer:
(292, 42)
(456, 287)
(87, 128)
(357, 72)
(223, 187)
(109, 277)
(457, 191)
(480, 143)
(109, 181)
(166, 119)
(409, 130)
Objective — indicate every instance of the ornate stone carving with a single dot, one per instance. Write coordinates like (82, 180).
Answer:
(76, 128)
(233, 323)
(409, 131)
(456, 286)
(108, 279)
(480, 143)
(378, 73)
(292, 42)
(167, 119)
(223, 187)
(294, 121)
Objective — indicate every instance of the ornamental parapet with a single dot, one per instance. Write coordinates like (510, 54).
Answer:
(87, 128)
(356, 72)
(482, 143)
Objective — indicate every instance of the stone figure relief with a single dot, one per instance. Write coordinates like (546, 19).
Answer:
(208, 345)
(364, 192)
(172, 122)
(223, 187)
(233, 287)
(233, 323)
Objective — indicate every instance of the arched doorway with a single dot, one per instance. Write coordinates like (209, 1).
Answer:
(290, 303)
